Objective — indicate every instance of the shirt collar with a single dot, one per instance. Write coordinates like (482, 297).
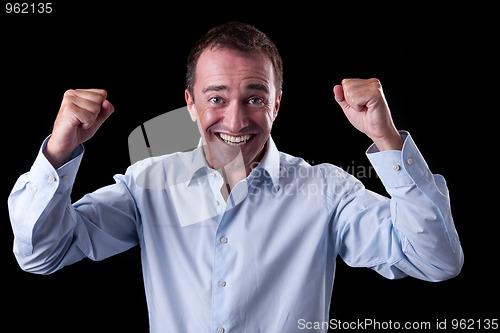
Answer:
(199, 165)
(270, 162)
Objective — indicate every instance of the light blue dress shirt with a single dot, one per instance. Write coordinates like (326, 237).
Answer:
(264, 261)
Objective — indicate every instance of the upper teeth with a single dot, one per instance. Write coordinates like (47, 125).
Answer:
(235, 140)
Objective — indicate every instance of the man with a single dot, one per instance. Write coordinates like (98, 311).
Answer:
(236, 236)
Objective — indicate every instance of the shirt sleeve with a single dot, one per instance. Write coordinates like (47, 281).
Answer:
(413, 232)
(50, 232)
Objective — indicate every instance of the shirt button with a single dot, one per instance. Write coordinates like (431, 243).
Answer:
(409, 161)
(396, 167)
(216, 203)
(223, 240)
(222, 283)
(52, 178)
(211, 174)
(220, 330)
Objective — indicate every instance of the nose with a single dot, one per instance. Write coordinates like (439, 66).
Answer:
(236, 117)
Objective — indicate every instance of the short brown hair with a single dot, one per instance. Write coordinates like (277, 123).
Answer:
(236, 36)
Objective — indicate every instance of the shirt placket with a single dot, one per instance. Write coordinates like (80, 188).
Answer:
(220, 264)
(223, 253)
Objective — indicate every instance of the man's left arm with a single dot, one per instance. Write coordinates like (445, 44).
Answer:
(420, 205)
(421, 212)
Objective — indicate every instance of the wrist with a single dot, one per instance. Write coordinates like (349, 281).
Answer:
(394, 141)
(56, 156)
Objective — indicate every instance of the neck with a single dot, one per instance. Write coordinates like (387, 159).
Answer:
(233, 173)
(231, 178)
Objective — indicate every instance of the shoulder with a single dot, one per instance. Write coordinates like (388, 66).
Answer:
(330, 180)
(298, 167)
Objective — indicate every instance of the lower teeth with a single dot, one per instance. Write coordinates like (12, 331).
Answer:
(235, 143)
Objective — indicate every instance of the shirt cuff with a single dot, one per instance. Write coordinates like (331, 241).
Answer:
(43, 173)
(46, 182)
(399, 168)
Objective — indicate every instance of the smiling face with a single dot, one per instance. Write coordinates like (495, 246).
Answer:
(236, 105)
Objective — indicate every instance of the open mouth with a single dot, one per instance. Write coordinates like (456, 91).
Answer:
(235, 140)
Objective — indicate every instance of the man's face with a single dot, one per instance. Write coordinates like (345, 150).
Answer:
(236, 105)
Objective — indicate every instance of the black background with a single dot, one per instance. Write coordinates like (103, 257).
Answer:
(426, 61)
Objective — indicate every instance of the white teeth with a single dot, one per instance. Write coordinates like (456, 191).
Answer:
(235, 140)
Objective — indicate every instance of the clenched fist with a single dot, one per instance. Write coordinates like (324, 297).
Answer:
(81, 114)
(364, 104)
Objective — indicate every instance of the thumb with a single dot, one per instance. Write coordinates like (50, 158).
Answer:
(339, 96)
(106, 110)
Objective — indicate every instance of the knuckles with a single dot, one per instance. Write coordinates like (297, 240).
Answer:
(82, 106)
(355, 89)
(86, 99)
(373, 82)
(96, 95)
(69, 93)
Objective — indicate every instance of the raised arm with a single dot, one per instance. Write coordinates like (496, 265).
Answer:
(413, 233)
(49, 231)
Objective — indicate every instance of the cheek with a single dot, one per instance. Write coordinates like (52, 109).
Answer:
(265, 120)
(206, 117)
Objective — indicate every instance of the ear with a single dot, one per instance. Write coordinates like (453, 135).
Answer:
(277, 106)
(190, 106)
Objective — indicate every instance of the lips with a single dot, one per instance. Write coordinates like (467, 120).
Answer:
(235, 140)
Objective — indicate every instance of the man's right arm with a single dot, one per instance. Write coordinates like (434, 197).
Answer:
(49, 231)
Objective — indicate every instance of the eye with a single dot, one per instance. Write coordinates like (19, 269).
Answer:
(255, 100)
(215, 100)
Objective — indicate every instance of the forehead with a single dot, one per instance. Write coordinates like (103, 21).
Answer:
(230, 67)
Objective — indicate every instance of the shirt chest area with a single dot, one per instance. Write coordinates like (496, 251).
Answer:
(258, 220)
(232, 253)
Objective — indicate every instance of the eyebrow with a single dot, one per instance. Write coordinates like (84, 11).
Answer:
(258, 86)
(214, 88)
(251, 86)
